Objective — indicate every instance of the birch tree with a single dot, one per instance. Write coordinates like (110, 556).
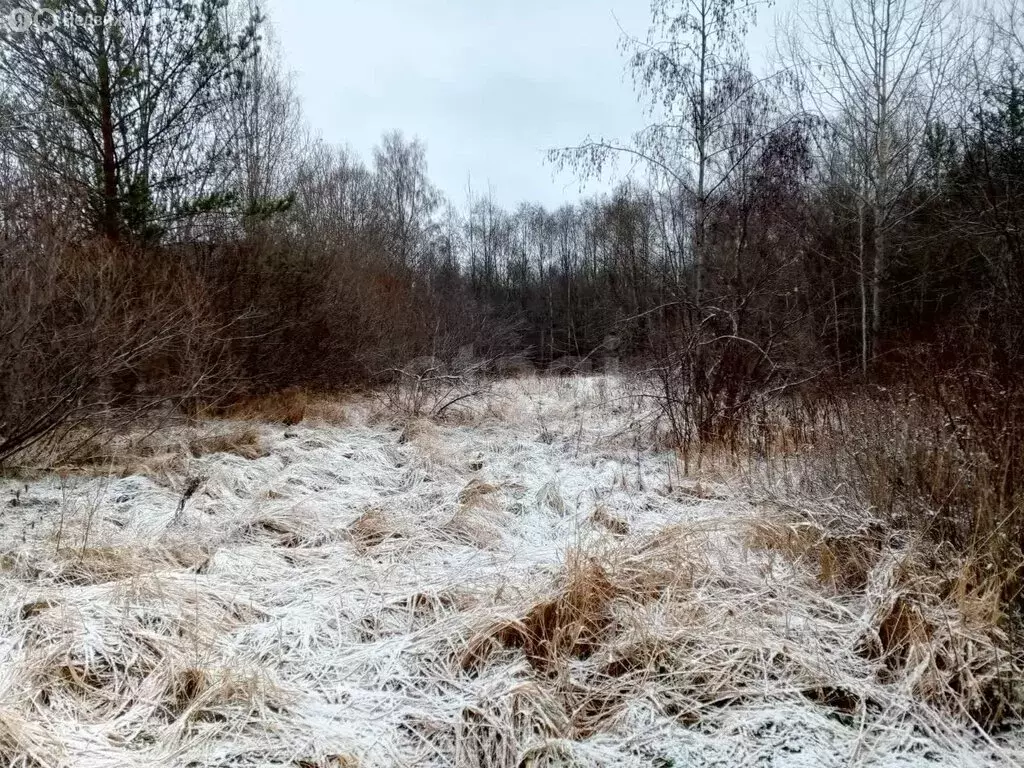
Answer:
(879, 72)
(405, 196)
(693, 70)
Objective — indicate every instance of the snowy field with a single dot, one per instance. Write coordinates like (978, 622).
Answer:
(525, 585)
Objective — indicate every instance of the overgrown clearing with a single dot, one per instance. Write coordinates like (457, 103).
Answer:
(523, 583)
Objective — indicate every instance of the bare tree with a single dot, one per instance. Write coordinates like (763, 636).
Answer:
(406, 196)
(879, 72)
(269, 138)
(693, 68)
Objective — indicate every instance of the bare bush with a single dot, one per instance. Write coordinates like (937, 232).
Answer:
(428, 387)
(89, 332)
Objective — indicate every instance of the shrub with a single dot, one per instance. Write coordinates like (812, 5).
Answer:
(89, 332)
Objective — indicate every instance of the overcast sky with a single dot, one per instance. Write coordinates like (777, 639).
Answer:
(488, 86)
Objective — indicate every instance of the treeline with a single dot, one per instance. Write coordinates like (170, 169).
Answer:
(855, 215)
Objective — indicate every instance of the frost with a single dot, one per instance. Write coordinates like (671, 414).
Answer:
(315, 606)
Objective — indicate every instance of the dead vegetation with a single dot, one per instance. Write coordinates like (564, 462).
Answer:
(478, 494)
(929, 466)
(580, 617)
(486, 609)
(932, 630)
(290, 530)
(694, 645)
(75, 655)
(607, 520)
(22, 742)
(436, 388)
(245, 443)
(161, 450)
(943, 642)
(102, 565)
(290, 406)
(842, 553)
(372, 528)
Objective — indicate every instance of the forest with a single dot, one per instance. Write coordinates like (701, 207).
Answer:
(809, 272)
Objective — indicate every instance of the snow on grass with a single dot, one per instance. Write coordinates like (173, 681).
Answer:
(530, 587)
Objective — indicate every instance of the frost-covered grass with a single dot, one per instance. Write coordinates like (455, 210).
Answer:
(524, 584)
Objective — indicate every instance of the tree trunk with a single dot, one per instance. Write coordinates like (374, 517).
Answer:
(698, 244)
(864, 333)
(877, 275)
(701, 129)
(111, 205)
(835, 315)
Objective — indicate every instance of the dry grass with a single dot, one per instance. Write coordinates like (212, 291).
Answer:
(75, 655)
(944, 644)
(947, 466)
(160, 451)
(101, 565)
(432, 392)
(329, 761)
(580, 617)
(609, 522)
(289, 407)
(288, 529)
(478, 494)
(475, 525)
(491, 731)
(245, 443)
(936, 467)
(99, 451)
(195, 693)
(934, 632)
(23, 743)
(571, 624)
(372, 528)
(843, 553)
(383, 607)
(414, 429)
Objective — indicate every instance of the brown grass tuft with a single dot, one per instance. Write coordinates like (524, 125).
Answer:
(286, 530)
(940, 640)
(106, 453)
(492, 730)
(580, 618)
(474, 525)
(570, 624)
(477, 493)
(155, 452)
(188, 685)
(417, 429)
(202, 694)
(607, 520)
(104, 565)
(842, 560)
(244, 442)
(34, 608)
(372, 528)
(290, 407)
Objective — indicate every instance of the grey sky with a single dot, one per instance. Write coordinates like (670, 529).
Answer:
(487, 86)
